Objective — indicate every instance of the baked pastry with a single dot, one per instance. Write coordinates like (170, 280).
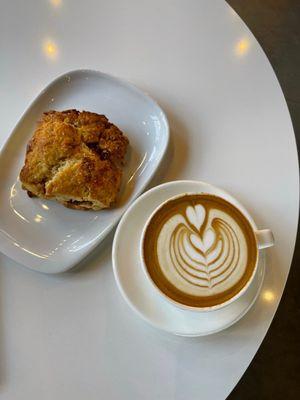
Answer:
(75, 158)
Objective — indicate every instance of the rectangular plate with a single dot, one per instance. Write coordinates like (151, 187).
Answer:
(44, 235)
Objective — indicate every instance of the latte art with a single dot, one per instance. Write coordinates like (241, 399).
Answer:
(202, 250)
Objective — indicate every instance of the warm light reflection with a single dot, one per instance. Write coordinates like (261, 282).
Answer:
(19, 214)
(242, 47)
(30, 252)
(137, 171)
(38, 218)
(45, 207)
(268, 296)
(56, 3)
(50, 49)
(13, 193)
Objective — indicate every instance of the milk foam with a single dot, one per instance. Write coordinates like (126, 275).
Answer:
(202, 253)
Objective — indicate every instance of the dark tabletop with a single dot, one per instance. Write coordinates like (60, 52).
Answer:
(275, 370)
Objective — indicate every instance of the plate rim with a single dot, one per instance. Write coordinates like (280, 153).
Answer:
(7, 249)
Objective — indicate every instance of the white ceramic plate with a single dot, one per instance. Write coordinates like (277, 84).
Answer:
(44, 235)
(141, 295)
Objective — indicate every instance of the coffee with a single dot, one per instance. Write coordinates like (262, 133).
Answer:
(199, 250)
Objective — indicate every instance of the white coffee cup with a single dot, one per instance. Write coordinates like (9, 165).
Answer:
(264, 239)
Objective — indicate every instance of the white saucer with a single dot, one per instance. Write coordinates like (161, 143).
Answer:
(139, 292)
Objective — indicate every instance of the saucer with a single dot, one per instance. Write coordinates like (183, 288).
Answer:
(140, 294)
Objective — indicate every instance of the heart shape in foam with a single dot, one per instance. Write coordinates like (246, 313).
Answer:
(196, 215)
(204, 244)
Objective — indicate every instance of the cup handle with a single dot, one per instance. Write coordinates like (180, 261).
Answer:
(265, 238)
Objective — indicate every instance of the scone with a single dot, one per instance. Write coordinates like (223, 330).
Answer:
(75, 158)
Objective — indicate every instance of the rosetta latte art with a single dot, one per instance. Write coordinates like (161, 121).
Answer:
(202, 252)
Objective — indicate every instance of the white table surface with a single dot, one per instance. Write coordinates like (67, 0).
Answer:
(72, 336)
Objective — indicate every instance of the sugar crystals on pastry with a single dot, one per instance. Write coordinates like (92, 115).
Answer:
(75, 158)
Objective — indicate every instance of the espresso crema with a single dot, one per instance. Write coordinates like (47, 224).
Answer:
(199, 250)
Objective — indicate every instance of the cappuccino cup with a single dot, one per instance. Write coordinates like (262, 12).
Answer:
(200, 251)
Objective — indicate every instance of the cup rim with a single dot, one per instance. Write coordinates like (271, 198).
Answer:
(215, 307)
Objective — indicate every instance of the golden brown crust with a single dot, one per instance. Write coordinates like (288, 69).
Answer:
(75, 158)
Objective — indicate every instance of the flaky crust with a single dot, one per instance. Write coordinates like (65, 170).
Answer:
(76, 158)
